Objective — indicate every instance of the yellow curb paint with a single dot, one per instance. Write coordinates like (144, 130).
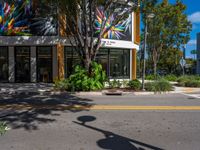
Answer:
(97, 107)
(189, 90)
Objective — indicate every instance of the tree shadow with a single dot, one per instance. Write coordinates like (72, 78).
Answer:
(29, 111)
(114, 141)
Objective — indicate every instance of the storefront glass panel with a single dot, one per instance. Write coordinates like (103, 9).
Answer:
(71, 60)
(22, 64)
(44, 64)
(3, 64)
(116, 62)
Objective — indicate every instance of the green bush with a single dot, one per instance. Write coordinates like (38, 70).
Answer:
(192, 83)
(135, 84)
(80, 80)
(158, 86)
(189, 80)
(114, 84)
(62, 84)
(170, 77)
(152, 77)
(125, 83)
(150, 86)
(3, 128)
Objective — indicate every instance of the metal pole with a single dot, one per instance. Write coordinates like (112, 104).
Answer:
(144, 55)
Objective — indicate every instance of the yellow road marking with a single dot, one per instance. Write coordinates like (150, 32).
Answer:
(145, 107)
(96, 107)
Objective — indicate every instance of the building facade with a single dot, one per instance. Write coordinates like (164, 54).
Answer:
(34, 49)
(198, 53)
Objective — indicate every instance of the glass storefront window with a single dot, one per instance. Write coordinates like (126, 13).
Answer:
(3, 64)
(44, 64)
(71, 60)
(102, 58)
(22, 64)
(126, 58)
(116, 62)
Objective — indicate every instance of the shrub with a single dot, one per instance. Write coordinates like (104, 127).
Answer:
(62, 84)
(152, 77)
(135, 84)
(125, 83)
(192, 83)
(158, 86)
(190, 80)
(170, 77)
(80, 80)
(3, 128)
(114, 84)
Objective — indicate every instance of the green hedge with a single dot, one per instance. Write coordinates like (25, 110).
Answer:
(171, 77)
(159, 86)
(189, 81)
(192, 83)
(152, 77)
(135, 84)
(80, 80)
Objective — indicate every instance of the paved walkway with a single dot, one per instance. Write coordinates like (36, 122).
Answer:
(40, 88)
(13, 88)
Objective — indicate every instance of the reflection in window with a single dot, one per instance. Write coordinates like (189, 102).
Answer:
(71, 60)
(102, 58)
(116, 62)
(44, 64)
(3, 64)
(119, 63)
(22, 64)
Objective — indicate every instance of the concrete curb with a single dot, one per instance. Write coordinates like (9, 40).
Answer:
(98, 93)
(80, 93)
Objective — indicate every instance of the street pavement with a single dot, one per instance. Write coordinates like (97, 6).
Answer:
(47, 122)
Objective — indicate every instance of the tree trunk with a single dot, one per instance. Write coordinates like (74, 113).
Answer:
(87, 65)
(155, 68)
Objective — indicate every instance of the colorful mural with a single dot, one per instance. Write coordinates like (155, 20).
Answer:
(20, 18)
(120, 31)
(12, 18)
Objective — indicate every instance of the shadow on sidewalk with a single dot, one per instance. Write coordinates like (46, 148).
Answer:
(28, 111)
(114, 141)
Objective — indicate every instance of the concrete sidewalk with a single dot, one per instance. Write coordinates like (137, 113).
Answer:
(26, 88)
(42, 88)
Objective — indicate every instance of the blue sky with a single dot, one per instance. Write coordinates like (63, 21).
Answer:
(193, 12)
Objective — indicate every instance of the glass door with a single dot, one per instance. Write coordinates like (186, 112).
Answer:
(3, 64)
(22, 64)
(44, 64)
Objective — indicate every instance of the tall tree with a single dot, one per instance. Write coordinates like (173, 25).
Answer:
(81, 17)
(169, 28)
(169, 60)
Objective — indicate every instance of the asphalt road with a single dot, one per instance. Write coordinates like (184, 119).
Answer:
(55, 129)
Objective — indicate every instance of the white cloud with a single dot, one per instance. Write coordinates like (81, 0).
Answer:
(195, 17)
(192, 42)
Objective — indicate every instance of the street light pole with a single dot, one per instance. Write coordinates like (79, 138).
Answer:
(144, 55)
(148, 16)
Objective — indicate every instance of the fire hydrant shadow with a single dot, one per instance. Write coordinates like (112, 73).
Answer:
(114, 141)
